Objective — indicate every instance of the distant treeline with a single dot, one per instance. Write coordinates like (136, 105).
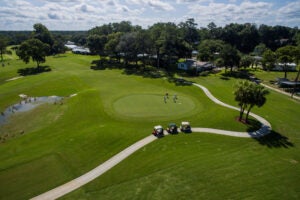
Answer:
(163, 44)
(242, 36)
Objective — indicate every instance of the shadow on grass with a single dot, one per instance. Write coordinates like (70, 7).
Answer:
(129, 68)
(179, 81)
(59, 56)
(242, 74)
(33, 70)
(253, 125)
(225, 78)
(106, 64)
(275, 140)
(144, 72)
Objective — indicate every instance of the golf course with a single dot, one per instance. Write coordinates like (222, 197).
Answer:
(102, 112)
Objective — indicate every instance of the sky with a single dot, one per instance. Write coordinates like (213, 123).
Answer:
(86, 14)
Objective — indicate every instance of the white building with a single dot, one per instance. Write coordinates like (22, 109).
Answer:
(289, 66)
(189, 64)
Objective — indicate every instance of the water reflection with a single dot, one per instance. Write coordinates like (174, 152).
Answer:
(27, 104)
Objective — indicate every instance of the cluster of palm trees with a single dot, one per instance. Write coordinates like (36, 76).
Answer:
(249, 94)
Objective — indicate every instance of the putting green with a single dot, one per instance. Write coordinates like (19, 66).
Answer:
(153, 105)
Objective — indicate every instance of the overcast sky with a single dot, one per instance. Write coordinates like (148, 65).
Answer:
(86, 14)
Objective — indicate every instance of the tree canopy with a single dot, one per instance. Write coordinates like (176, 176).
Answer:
(209, 48)
(33, 49)
(3, 45)
(42, 33)
(285, 55)
(248, 95)
(230, 56)
(269, 59)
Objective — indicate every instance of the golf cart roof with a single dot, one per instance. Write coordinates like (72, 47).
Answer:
(172, 124)
(158, 127)
(185, 123)
(23, 95)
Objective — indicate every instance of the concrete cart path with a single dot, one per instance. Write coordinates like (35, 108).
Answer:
(280, 91)
(98, 171)
(264, 130)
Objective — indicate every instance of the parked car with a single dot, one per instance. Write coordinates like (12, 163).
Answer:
(158, 131)
(172, 128)
(185, 127)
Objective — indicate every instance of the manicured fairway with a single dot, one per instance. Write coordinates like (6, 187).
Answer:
(112, 110)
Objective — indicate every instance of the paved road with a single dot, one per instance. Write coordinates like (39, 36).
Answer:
(98, 171)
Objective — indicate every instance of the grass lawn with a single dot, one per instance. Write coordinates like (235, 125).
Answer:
(204, 166)
(113, 110)
(148, 106)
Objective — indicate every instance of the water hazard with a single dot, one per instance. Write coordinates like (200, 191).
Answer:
(27, 104)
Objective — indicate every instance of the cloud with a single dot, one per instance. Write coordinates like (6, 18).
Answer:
(248, 5)
(85, 14)
(221, 13)
(191, 1)
(160, 5)
(53, 16)
(291, 10)
(111, 3)
(64, 1)
(289, 14)
(83, 8)
(154, 4)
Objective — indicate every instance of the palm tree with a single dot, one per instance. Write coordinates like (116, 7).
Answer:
(242, 95)
(257, 97)
(249, 94)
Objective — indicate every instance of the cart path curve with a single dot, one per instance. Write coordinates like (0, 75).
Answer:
(94, 173)
(107, 165)
(264, 130)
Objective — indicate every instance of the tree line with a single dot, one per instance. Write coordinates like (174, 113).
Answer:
(162, 44)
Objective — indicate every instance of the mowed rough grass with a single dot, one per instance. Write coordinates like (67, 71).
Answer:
(64, 141)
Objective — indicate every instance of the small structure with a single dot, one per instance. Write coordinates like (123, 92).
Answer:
(77, 49)
(81, 50)
(195, 53)
(70, 45)
(257, 58)
(281, 66)
(254, 79)
(189, 64)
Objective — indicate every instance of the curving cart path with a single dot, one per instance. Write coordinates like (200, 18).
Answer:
(101, 169)
(264, 130)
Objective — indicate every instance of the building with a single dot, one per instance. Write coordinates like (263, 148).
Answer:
(81, 50)
(195, 53)
(77, 49)
(281, 66)
(190, 64)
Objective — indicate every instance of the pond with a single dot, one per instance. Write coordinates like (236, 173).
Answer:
(26, 105)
